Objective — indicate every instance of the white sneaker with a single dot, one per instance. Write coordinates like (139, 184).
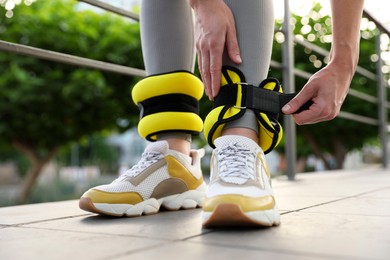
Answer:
(162, 177)
(240, 190)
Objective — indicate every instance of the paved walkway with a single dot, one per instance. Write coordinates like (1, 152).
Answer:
(334, 215)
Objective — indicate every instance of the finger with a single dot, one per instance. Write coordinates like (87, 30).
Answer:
(206, 73)
(215, 82)
(318, 112)
(215, 69)
(315, 116)
(232, 47)
(303, 120)
(200, 64)
(298, 101)
(306, 117)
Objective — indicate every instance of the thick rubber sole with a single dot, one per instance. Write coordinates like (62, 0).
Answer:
(231, 215)
(186, 200)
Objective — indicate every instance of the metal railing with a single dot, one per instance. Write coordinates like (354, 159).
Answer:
(287, 66)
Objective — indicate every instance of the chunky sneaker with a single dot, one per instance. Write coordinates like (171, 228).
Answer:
(162, 177)
(240, 190)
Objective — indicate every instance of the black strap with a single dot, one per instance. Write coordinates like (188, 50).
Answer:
(256, 98)
(168, 103)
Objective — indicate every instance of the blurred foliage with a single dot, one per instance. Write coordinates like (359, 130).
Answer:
(44, 104)
(92, 150)
(8, 154)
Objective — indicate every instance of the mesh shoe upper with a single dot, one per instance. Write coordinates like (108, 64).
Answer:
(238, 167)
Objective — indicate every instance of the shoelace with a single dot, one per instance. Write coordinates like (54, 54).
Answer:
(147, 159)
(236, 161)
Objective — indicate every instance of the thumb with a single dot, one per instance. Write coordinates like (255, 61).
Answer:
(299, 101)
(290, 107)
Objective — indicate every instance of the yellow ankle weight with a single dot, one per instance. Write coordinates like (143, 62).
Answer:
(168, 103)
(270, 131)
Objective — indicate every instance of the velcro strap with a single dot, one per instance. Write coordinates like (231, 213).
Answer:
(256, 98)
(168, 103)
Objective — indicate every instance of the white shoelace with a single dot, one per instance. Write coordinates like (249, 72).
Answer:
(236, 161)
(147, 159)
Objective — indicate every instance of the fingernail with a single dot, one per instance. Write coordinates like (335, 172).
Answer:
(286, 108)
(239, 58)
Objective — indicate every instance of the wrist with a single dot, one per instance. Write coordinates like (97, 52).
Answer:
(345, 57)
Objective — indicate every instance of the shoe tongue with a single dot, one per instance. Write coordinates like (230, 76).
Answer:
(159, 146)
(241, 140)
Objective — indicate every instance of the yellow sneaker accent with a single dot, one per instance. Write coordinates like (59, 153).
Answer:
(177, 170)
(98, 196)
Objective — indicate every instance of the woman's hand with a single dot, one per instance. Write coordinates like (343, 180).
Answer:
(327, 89)
(214, 31)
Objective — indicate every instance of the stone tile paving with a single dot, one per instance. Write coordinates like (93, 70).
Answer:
(329, 215)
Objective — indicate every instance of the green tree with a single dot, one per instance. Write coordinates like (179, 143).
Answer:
(45, 105)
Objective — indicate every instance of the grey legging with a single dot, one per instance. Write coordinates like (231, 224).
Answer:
(167, 37)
